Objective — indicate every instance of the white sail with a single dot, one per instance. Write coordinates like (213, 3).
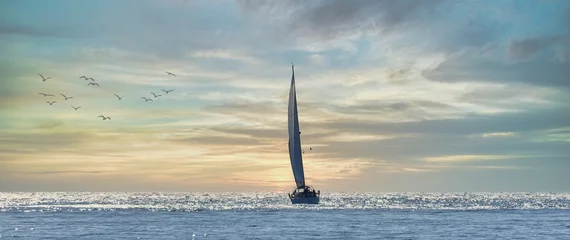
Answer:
(295, 136)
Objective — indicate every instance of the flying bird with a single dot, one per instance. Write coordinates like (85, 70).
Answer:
(65, 96)
(147, 99)
(155, 96)
(167, 91)
(76, 107)
(94, 84)
(83, 77)
(104, 118)
(45, 94)
(43, 78)
(51, 103)
(169, 73)
(119, 97)
(107, 118)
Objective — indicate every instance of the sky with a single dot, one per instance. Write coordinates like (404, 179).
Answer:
(394, 96)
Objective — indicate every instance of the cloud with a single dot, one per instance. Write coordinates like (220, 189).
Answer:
(318, 60)
(8, 30)
(220, 141)
(224, 55)
(525, 49)
(466, 158)
(416, 170)
(473, 124)
(329, 20)
(539, 72)
(499, 134)
(382, 86)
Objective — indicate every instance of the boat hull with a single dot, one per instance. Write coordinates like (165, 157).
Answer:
(305, 200)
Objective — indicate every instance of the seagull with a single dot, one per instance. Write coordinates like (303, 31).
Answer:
(52, 102)
(106, 118)
(94, 84)
(119, 97)
(43, 78)
(169, 73)
(167, 91)
(83, 77)
(76, 107)
(65, 96)
(155, 96)
(147, 99)
(45, 94)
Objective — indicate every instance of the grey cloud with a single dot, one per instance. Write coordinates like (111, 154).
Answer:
(542, 72)
(50, 124)
(414, 149)
(44, 141)
(7, 29)
(47, 140)
(397, 111)
(269, 6)
(563, 55)
(257, 133)
(241, 106)
(474, 124)
(65, 172)
(221, 140)
(376, 106)
(503, 98)
(488, 94)
(530, 145)
(328, 19)
(525, 49)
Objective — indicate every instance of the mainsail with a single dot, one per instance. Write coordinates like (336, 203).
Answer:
(295, 136)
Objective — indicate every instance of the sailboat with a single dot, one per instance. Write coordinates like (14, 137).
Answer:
(303, 193)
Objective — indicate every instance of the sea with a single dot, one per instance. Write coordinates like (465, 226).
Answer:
(270, 215)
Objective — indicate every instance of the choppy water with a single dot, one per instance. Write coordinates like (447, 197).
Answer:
(85, 215)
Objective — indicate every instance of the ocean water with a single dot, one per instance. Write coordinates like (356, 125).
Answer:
(86, 215)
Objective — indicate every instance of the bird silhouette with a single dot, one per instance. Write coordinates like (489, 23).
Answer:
(83, 77)
(169, 73)
(43, 78)
(167, 91)
(45, 94)
(104, 118)
(93, 84)
(147, 99)
(155, 96)
(119, 97)
(76, 107)
(52, 102)
(65, 96)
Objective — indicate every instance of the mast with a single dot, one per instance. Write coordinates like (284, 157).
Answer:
(295, 135)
